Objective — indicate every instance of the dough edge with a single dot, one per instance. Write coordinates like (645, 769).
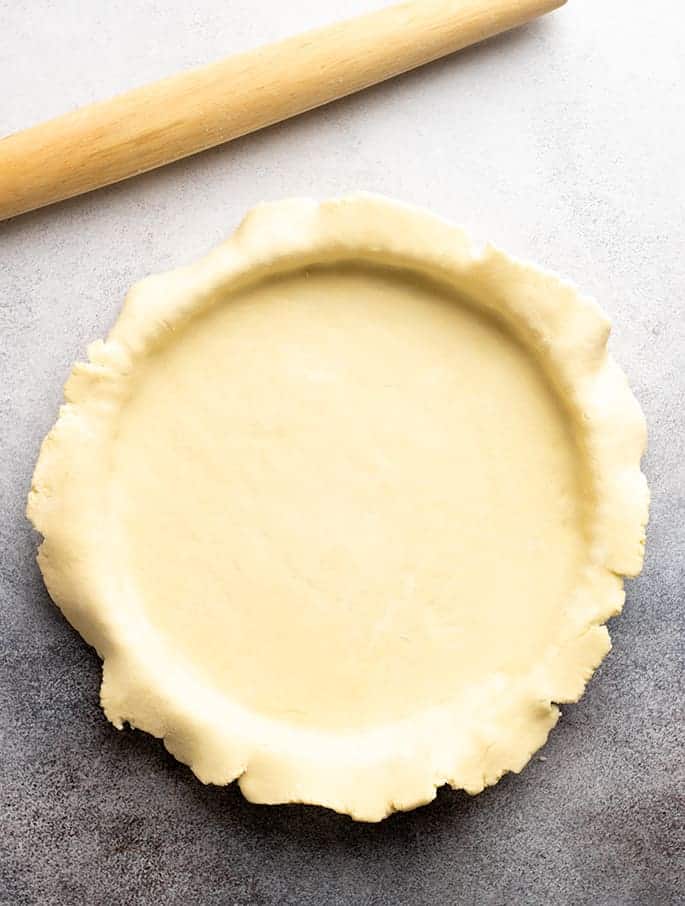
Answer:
(366, 774)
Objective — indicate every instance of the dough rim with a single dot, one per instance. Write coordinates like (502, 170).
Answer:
(366, 774)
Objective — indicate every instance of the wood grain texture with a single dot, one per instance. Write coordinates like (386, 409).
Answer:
(198, 109)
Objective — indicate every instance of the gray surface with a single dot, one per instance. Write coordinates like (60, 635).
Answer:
(564, 143)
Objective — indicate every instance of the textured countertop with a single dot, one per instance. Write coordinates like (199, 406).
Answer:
(564, 143)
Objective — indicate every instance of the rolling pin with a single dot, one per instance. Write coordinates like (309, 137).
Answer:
(159, 123)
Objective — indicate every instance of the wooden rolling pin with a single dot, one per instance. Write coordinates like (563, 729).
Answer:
(180, 115)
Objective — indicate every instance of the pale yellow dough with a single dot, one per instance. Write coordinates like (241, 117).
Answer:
(344, 505)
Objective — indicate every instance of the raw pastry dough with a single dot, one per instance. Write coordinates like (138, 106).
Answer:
(344, 505)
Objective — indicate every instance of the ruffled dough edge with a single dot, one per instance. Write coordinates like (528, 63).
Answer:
(366, 774)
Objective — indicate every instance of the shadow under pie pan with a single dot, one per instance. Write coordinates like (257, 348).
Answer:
(345, 505)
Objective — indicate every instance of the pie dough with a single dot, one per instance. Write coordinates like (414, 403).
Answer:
(345, 505)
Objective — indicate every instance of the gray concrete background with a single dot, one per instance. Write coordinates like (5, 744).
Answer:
(564, 143)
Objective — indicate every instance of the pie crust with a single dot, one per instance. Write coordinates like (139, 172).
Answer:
(344, 506)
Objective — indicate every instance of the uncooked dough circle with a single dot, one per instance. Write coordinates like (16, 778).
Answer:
(354, 488)
(343, 506)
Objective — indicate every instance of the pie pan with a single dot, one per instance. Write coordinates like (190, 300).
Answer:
(345, 505)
